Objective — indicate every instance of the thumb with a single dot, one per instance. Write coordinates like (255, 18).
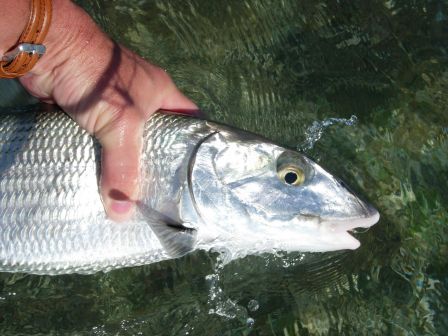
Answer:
(121, 146)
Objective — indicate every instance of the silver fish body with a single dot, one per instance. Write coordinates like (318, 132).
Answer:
(204, 186)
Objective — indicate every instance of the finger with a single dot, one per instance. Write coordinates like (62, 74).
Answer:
(176, 101)
(169, 97)
(121, 145)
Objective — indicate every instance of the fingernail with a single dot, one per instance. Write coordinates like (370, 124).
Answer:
(121, 207)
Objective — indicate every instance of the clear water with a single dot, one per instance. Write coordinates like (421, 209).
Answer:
(278, 68)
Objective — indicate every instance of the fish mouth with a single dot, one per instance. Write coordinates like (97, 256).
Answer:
(335, 233)
(323, 234)
(342, 229)
(370, 218)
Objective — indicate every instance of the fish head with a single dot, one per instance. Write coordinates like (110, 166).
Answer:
(263, 197)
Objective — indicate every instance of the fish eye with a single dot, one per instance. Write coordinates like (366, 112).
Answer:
(291, 175)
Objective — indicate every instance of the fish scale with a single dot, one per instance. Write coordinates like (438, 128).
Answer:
(52, 219)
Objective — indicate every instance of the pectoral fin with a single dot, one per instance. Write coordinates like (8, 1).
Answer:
(174, 236)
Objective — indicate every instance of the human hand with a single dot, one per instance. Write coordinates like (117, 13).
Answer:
(109, 91)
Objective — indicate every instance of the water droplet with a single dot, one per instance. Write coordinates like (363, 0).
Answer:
(315, 131)
(250, 322)
(253, 305)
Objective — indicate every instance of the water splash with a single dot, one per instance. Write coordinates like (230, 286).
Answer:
(284, 258)
(222, 305)
(315, 131)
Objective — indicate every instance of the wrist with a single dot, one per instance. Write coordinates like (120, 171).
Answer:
(72, 42)
(13, 21)
(70, 28)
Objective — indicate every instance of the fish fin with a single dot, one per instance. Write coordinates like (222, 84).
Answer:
(175, 237)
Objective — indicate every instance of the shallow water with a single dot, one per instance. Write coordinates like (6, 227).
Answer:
(280, 68)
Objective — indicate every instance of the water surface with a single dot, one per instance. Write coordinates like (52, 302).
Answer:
(280, 68)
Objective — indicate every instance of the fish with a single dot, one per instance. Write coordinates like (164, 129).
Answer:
(204, 185)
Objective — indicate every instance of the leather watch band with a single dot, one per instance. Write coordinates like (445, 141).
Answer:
(29, 47)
